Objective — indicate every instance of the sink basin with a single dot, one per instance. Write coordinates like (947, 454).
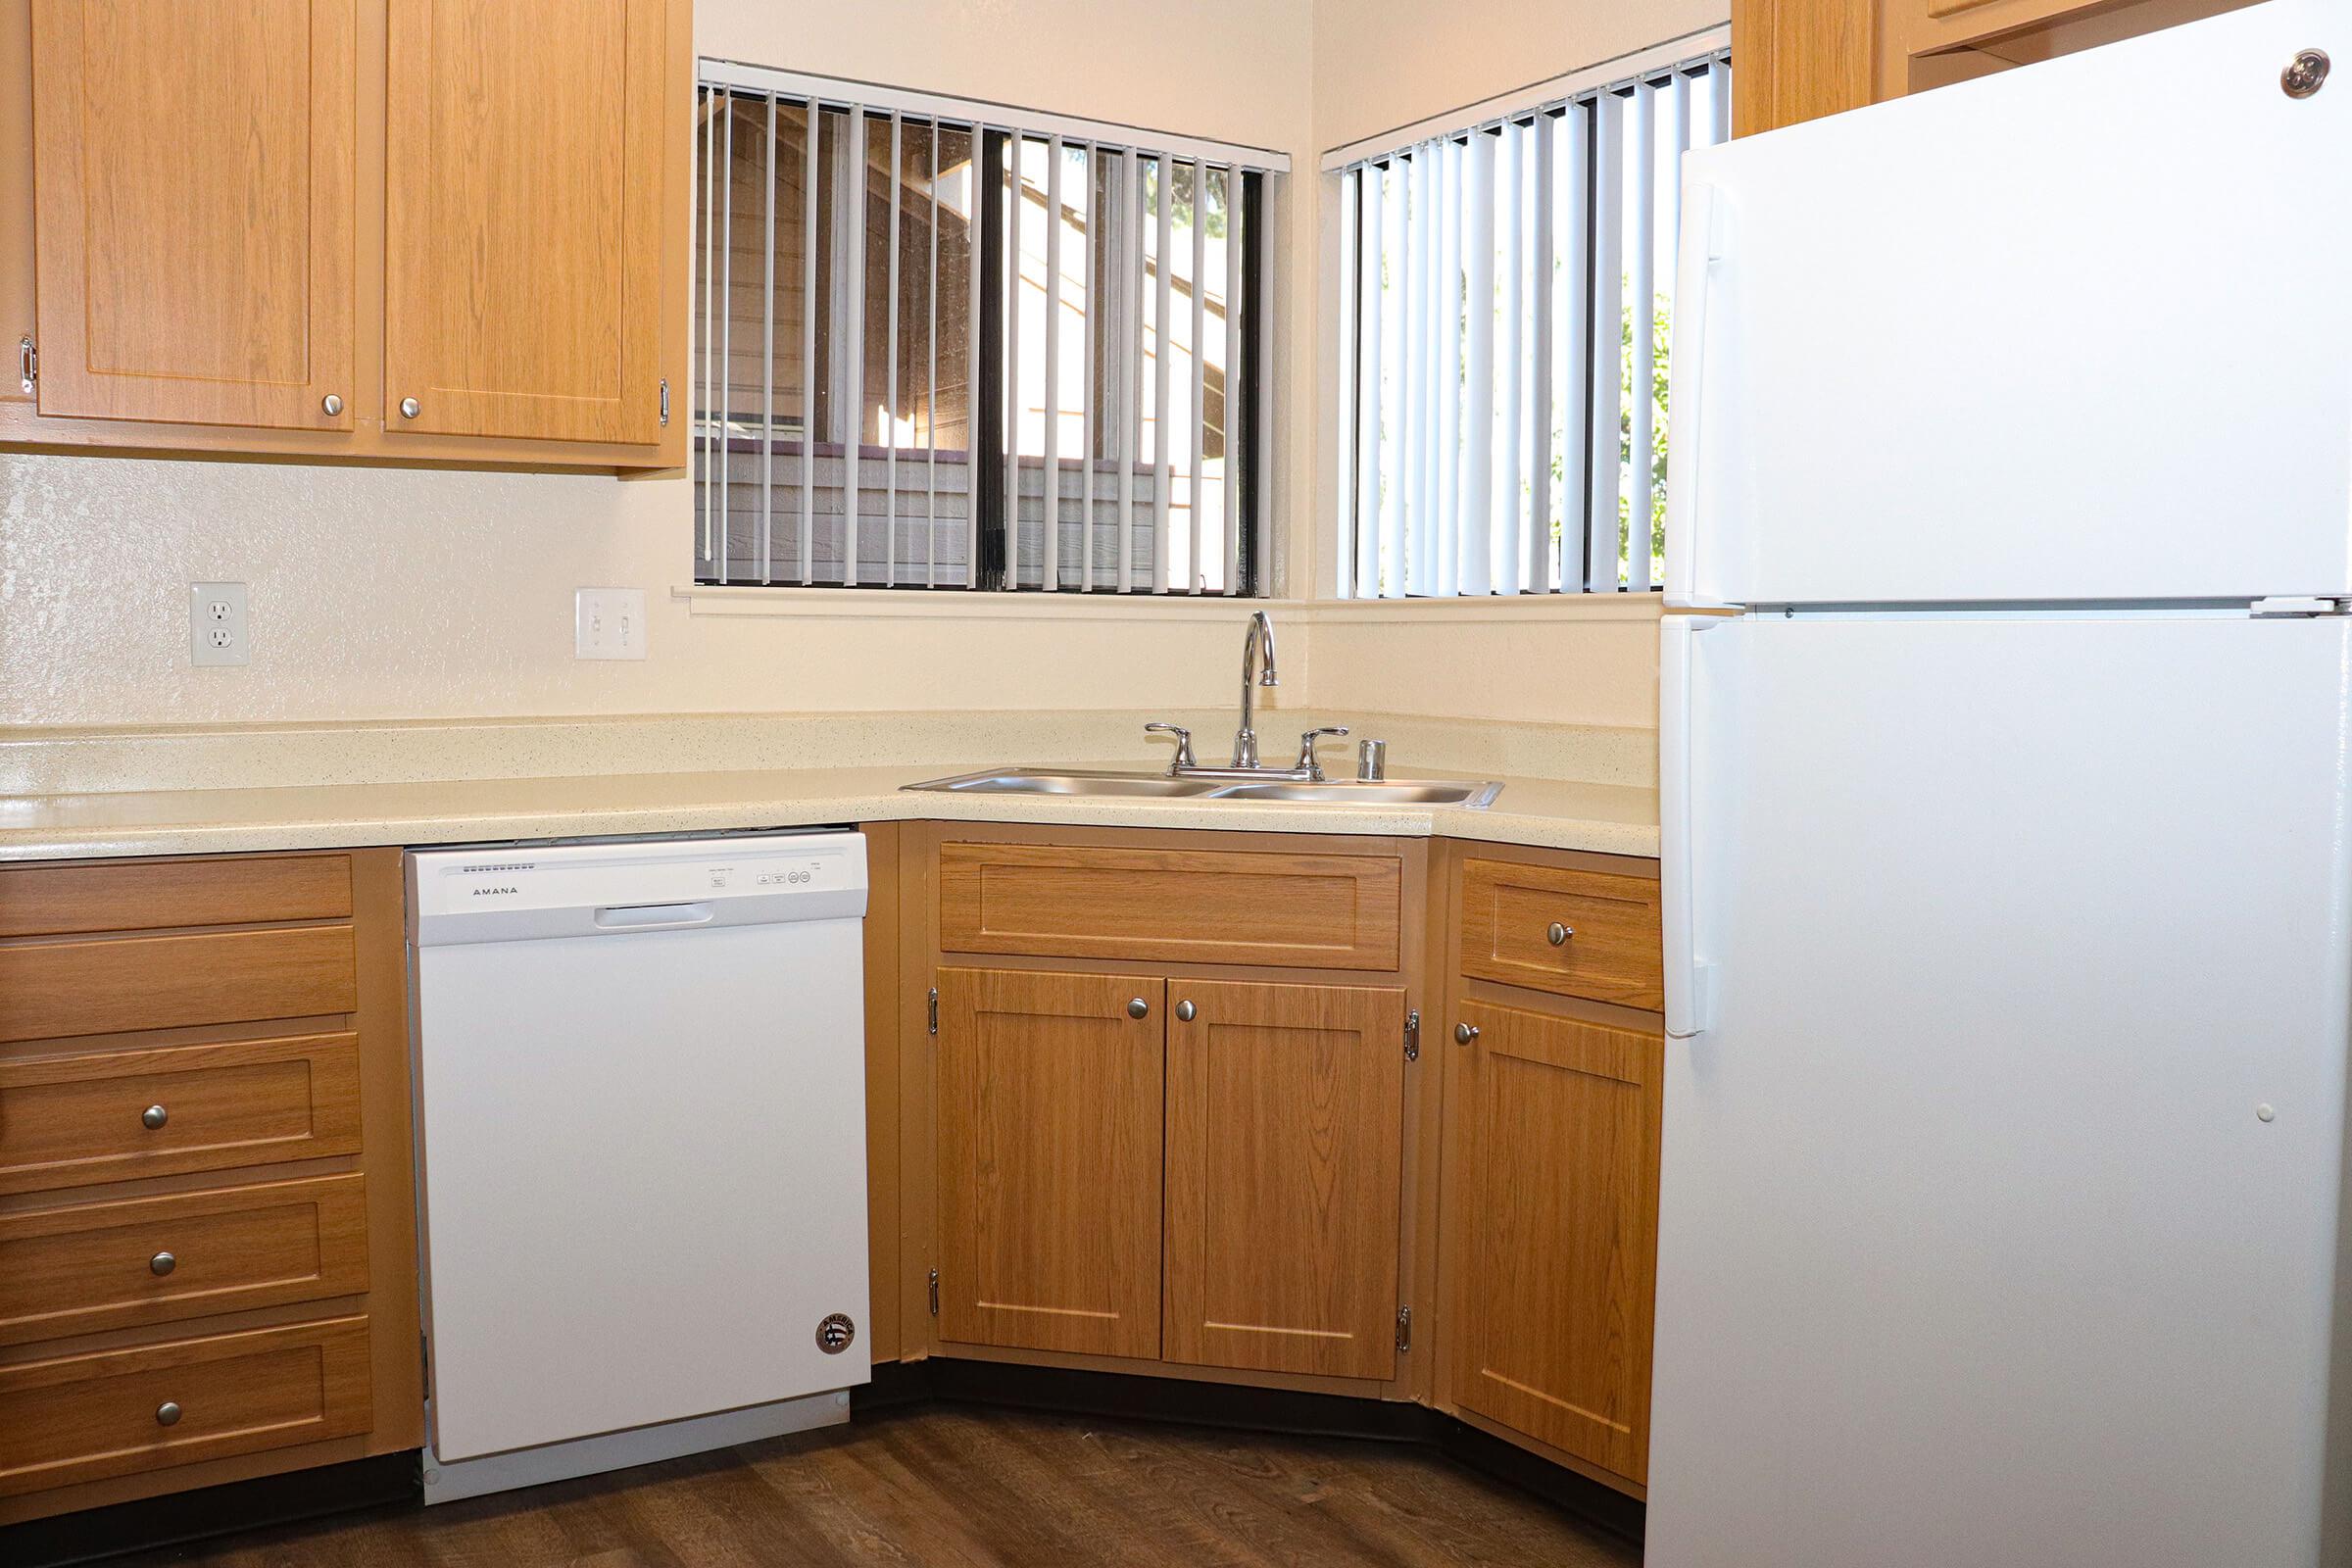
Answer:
(1160, 786)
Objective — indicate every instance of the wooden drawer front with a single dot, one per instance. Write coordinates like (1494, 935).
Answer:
(1321, 912)
(1611, 952)
(65, 1121)
(79, 1270)
(50, 989)
(151, 895)
(87, 1417)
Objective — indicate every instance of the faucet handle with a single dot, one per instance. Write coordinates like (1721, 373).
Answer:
(1184, 744)
(1307, 749)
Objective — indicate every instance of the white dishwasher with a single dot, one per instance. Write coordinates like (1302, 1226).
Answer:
(640, 1149)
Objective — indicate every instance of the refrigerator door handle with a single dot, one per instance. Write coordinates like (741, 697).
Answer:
(1690, 979)
(1706, 241)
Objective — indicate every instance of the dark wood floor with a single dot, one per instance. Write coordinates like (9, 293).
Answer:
(944, 1484)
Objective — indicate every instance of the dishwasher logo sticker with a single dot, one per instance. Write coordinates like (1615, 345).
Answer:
(492, 892)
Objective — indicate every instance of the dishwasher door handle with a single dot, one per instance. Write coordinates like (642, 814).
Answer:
(652, 916)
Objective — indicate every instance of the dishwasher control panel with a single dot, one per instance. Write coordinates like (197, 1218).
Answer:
(517, 892)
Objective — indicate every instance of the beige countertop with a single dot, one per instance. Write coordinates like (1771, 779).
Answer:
(1608, 819)
(224, 790)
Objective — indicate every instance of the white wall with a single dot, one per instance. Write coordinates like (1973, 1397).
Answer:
(416, 593)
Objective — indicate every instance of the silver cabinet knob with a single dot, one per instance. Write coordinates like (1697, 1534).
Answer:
(409, 408)
(1186, 1011)
(166, 1414)
(1139, 1009)
(153, 1116)
(161, 1263)
(333, 404)
(1557, 934)
(1464, 1033)
(2306, 74)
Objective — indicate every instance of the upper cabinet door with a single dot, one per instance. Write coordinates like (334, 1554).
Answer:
(523, 204)
(194, 186)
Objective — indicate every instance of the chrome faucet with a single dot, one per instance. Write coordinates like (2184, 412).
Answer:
(1259, 631)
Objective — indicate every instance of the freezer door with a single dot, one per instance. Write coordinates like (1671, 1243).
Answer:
(2079, 331)
(2001, 1183)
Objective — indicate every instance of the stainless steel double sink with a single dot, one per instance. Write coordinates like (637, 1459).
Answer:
(1473, 794)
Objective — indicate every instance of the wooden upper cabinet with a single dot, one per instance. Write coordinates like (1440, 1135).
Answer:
(1797, 60)
(1284, 1139)
(1550, 1230)
(194, 205)
(1049, 1098)
(524, 149)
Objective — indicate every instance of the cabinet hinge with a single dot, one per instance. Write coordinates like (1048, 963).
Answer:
(1405, 1328)
(1412, 1035)
(934, 1009)
(29, 363)
(935, 1293)
(665, 400)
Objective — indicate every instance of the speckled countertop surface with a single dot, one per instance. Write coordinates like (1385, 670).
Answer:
(1608, 819)
(66, 794)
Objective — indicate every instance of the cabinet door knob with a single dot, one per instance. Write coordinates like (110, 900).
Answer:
(1139, 1009)
(333, 404)
(409, 408)
(1186, 1011)
(166, 1414)
(1557, 934)
(161, 1263)
(153, 1116)
(1464, 1033)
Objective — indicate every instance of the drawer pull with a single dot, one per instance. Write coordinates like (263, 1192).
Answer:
(1464, 1033)
(153, 1116)
(166, 1414)
(1558, 934)
(161, 1263)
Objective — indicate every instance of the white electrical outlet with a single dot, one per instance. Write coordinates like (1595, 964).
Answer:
(608, 623)
(217, 622)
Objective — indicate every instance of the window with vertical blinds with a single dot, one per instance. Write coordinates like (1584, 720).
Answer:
(1507, 299)
(959, 351)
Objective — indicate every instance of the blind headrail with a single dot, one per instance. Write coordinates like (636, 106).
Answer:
(1624, 69)
(840, 94)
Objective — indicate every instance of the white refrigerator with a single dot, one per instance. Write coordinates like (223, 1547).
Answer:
(2006, 784)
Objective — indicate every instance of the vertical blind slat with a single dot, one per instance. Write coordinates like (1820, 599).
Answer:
(1535, 573)
(1161, 468)
(1608, 325)
(1571, 381)
(1348, 577)
(931, 383)
(1130, 316)
(707, 401)
(1236, 312)
(1508, 553)
(1014, 148)
(1641, 309)
(889, 375)
(1049, 555)
(851, 416)
(808, 348)
(726, 520)
(972, 372)
(1446, 369)
(1414, 518)
(1088, 308)
(1197, 406)
(1475, 512)
(768, 353)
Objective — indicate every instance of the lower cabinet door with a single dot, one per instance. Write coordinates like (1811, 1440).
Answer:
(1551, 1166)
(1049, 1125)
(1285, 1137)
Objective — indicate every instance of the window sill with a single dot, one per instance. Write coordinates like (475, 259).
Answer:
(920, 604)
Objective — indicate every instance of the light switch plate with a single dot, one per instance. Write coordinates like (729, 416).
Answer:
(608, 623)
(217, 624)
